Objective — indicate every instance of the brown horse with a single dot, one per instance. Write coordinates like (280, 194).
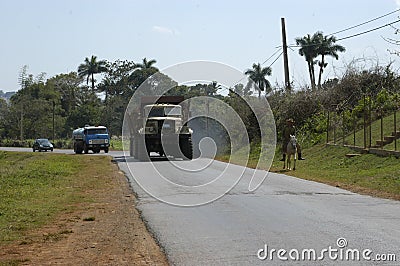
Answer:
(291, 149)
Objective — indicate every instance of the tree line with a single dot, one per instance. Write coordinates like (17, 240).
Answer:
(55, 106)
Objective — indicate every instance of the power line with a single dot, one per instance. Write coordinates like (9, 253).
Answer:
(350, 36)
(276, 59)
(237, 82)
(340, 39)
(271, 56)
(366, 22)
(368, 31)
(355, 26)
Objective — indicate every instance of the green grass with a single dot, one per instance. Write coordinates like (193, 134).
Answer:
(116, 144)
(366, 174)
(388, 128)
(36, 187)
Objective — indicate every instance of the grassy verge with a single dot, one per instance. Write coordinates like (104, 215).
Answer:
(365, 174)
(388, 128)
(116, 144)
(36, 187)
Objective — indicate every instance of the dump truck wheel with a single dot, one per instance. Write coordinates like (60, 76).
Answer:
(186, 146)
(141, 150)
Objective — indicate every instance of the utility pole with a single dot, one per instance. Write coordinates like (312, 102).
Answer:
(285, 56)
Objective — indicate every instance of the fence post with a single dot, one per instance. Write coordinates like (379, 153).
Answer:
(395, 130)
(343, 127)
(370, 121)
(381, 114)
(365, 122)
(334, 128)
(354, 128)
(327, 128)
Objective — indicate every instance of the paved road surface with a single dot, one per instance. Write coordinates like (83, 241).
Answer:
(284, 213)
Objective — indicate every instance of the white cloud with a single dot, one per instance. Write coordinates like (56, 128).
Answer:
(398, 3)
(166, 31)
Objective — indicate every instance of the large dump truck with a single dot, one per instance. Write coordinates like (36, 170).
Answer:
(159, 128)
(94, 138)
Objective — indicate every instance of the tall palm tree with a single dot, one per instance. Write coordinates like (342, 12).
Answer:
(327, 47)
(90, 67)
(257, 78)
(142, 72)
(309, 49)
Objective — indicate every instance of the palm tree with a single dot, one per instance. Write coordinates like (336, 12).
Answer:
(142, 72)
(327, 47)
(309, 49)
(212, 88)
(90, 67)
(146, 64)
(257, 78)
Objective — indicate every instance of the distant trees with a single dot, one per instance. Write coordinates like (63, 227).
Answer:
(29, 113)
(312, 46)
(142, 72)
(31, 109)
(212, 88)
(75, 102)
(240, 89)
(116, 79)
(308, 49)
(3, 114)
(90, 67)
(327, 47)
(257, 78)
(146, 64)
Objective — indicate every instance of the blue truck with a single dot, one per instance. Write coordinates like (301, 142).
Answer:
(94, 138)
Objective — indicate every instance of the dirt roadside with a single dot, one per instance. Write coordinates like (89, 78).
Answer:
(106, 231)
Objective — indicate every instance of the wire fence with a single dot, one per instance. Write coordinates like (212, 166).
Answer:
(369, 129)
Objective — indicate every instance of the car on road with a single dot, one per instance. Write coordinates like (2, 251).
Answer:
(42, 145)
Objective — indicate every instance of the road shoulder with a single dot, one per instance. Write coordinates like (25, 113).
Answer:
(107, 231)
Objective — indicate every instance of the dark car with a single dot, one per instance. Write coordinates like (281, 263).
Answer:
(42, 145)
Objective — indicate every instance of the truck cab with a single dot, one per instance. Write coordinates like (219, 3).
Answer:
(165, 118)
(161, 129)
(94, 138)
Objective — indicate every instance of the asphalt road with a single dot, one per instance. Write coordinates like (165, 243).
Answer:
(285, 213)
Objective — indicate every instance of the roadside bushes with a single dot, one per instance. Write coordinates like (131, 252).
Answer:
(380, 86)
(16, 143)
(58, 144)
(63, 144)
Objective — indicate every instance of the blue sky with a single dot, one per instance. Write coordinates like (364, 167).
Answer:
(56, 36)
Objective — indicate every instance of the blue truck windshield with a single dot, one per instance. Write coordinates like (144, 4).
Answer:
(96, 131)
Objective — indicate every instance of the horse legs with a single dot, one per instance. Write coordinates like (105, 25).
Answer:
(294, 160)
(289, 161)
(284, 161)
